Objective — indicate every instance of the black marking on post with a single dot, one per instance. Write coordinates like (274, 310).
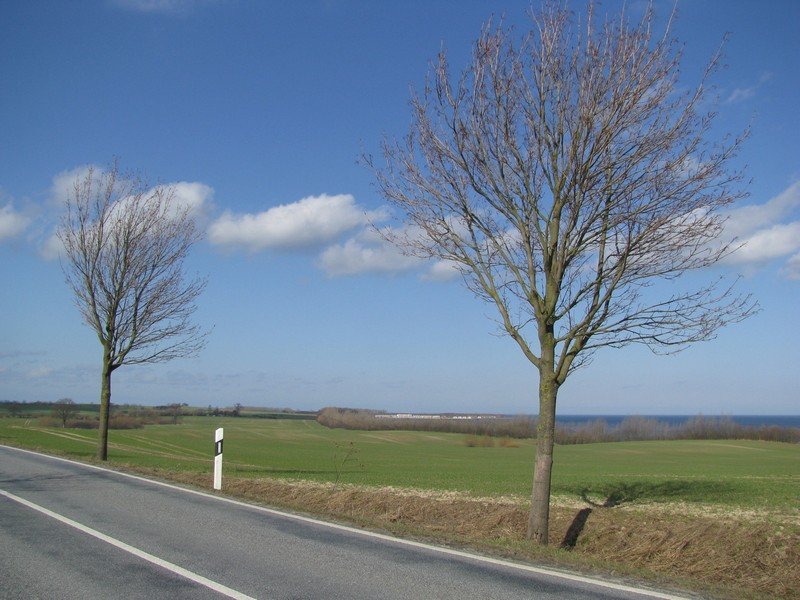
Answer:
(218, 448)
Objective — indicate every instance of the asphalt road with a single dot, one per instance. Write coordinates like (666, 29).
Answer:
(68, 530)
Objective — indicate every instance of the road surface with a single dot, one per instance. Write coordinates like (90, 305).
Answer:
(69, 530)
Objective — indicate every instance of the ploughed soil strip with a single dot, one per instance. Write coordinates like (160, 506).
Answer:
(728, 554)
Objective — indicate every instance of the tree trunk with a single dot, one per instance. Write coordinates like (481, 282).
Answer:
(105, 405)
(545, 436)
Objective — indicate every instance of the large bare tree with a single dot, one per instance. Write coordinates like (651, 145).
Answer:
(124, 248)
(568, 176)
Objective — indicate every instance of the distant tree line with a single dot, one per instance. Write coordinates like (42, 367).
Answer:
(64, 413)
(633, 428)
(14, 408)
(67, 413)
(697, 428)
(237, 410)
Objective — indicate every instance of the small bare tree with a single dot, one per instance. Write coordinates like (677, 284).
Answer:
(64, 409)
(563, 176)
(175, 412)
(124, 248)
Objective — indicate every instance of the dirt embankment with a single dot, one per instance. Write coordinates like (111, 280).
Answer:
(723, 554)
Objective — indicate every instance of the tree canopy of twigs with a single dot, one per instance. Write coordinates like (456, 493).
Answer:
(64, 409)
(124, 245)
(564, 174)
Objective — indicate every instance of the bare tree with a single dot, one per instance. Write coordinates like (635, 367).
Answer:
(563, 175)
(64, 409)
(124, 248)
(175, 411)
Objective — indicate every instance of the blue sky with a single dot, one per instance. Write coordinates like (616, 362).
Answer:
(259, 111)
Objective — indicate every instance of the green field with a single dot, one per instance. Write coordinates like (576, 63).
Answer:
(742, 474)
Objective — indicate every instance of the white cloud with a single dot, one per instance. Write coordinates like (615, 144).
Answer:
(745, 93)
(371, 251)
(64, 183)
(441, 270)
(161, 6)
(791, 270)
(760, 232)
(52, 248)
(356, 257)
(748, 219)
(309, 222)
(741, 94)
(12, 223)
(194, 196)
(769, 243)
(40, 372)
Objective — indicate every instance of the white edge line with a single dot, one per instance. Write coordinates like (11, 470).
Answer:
(380, 536)
(217, 587)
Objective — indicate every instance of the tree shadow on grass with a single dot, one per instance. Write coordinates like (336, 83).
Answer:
(618, 493)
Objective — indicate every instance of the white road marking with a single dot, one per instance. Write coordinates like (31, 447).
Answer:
(380, 536)
(217, 587)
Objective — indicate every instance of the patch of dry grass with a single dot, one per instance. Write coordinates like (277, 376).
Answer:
(507, 442)
(479, 441)
(741, 556)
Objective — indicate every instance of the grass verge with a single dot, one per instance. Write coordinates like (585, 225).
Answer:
(741, 556)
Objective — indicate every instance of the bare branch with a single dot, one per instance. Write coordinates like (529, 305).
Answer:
(565, 176)
(124, 249)
(125, 246)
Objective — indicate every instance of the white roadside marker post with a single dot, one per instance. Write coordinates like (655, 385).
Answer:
(218, 459)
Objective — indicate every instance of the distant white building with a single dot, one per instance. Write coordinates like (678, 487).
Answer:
(416, 416)
(408, 416)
